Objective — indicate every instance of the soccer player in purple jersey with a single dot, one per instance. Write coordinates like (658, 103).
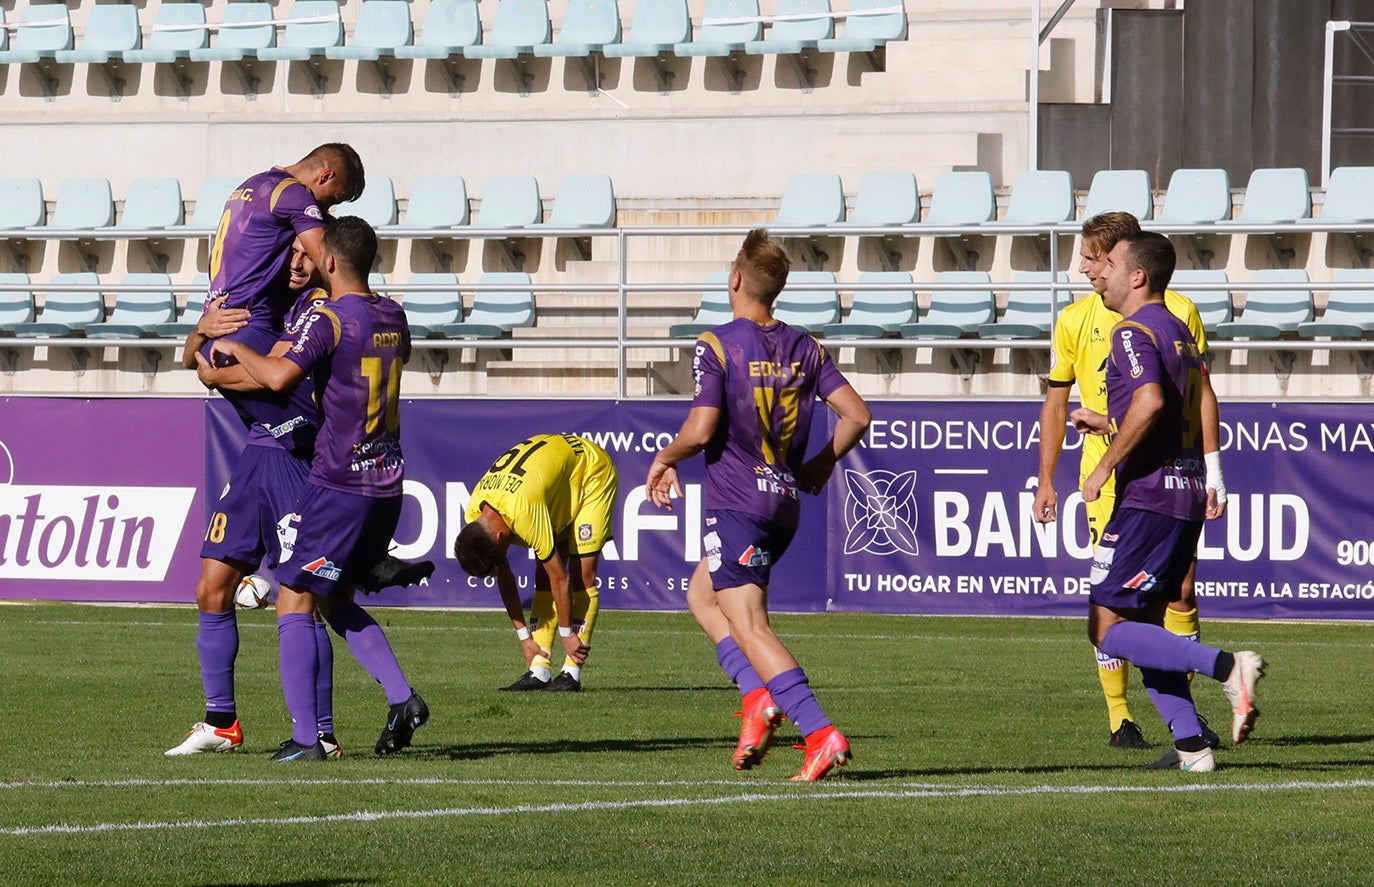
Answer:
(1154, 420)
(354, 348)
(757, 381)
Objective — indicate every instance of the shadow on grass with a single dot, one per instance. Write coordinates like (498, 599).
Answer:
(1348, 739)
(313, 882)
(648, 745)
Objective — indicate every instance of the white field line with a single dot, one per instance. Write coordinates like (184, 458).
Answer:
(747, 798)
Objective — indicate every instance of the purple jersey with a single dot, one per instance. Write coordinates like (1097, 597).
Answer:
(765, 380)
(295, 427)
(354, 347)
(1164, 473)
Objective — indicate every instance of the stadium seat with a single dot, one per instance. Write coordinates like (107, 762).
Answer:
(876, 313)
(137, 314)
(437, 202)
(376, 206)
(249, 31)
(519, 26)
(1039, 197)
(865, 33)
(429, 313)
(303, 38)
(810, 200)
(1120, 190)
(719, 35)
(510, 202)
(451, 28)
(4, 32)
(66, 313)
(174, 35)
(1275, 197)
(809, 301)
(210, 199)
(1269, 314)
(382, 28)
(151, 205)
(495, 314)
(588, 26)
(21, 204)
(955, 313)
(885, 198)
(16, 306)
(1349, 197)
(713, 311)
(1213, 306)
(185, 321)
(961, 198)
(658, 26)
(83, 204)
(583, 201)
(111, 30)
(1196, 196)
(46, 30)
(1349, 314)
(790, 34)
(1028, 311)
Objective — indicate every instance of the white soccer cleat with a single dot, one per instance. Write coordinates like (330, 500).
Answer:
(203, 738)
(1192, 761)
(1239, 688)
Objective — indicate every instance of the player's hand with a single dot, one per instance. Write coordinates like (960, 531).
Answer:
(1092, 486)
(529, 648)
(575, 649)
(662, 484)
(816, 471)
(204, 371)
(221, 352)
(1087, 421)
(220, 321)
(1045, 508)
(1215, 507)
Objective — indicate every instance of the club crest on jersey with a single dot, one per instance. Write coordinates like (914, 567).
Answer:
(324, 568)
(1141, 581)
(755, 557)
(313, 212)
(584, 532)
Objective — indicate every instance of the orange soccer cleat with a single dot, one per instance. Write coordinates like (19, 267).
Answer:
(761, 717)
(825, 749)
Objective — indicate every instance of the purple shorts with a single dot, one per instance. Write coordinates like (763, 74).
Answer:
(338, 537)
(741, 549)
(250, 517)
(1142, 558)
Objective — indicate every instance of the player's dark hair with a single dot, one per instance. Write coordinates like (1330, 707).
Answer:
(344, 161)
(477, 553)
(352, 243)
(1104, 230)
(1153, 254)
(764, 267)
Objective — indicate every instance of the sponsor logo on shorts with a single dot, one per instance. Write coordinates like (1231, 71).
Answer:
(710, 522)
(324, 568)
(1141, 581)
(584, 532)
(710, 543)
(755, 557)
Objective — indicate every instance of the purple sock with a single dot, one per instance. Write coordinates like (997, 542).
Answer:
(736, 665)
(1151, 646)
(1173, 700)
(793, 695)
(367, 642)
(300, 668)
(217, 641)
(324, 684)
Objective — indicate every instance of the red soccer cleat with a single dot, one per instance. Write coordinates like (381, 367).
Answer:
(825, 749)
(761, 717)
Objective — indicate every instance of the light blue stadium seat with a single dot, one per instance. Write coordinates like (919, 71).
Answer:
(583, 201)
(1275, 196)
(1039, 197)
(791, 36)
(4, 32)
(809, 301)
(712, 311)
(16, 306)
(1028, 311)
(876, 313)
(67, 313)
(1197, 196)
(137, 315)
(1269, 314)
(21, 204)
(588, 25)
(247, 33)
(111, 30)
(48, 31)
(303, 40)
(657, 26)
(510, 202)
(451, 28)
(519, 26)
(811, 199)
(85, 204)
(172, 38)
(961, 198)
(437, 202)
(376, 206)
(719, 40)
(429, 313)
(1213, 306)
(955, 313)
(495, 314)
(865, 33)
(1349, 196)
(213, 193)
(383, 27)
(885, 198)
(152, 204)
(1349, 314)
(185, 321)
(1120, 190)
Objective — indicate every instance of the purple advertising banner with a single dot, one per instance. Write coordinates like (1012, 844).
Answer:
(930, 515)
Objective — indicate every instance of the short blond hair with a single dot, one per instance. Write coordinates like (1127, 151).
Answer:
(763, 266)
(1104, 230)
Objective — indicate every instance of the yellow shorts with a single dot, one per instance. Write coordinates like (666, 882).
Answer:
(592, 523)
(1099, 511)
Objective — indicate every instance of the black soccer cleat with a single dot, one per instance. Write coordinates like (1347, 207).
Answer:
(1208, 734)
(391, 570)
(1128, 735)
(565, 683)
(292, 751)
(402, 721)
(527, 682)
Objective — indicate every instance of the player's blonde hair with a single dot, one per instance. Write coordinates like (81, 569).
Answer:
(763, 266)
(1104, 230)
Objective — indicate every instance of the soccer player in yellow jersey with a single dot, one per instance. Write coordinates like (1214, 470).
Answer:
(554, 494)
(1081, 348)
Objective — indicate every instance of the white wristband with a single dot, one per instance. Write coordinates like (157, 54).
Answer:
(523, 633)
(1215, 480)
(565, 631)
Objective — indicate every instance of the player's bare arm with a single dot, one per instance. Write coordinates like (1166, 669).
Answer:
(1211, 450)
(1053, 416)
(273, 373)
(1086, 421)
(696, 432)
(233, 378)
(854, 418)
(215, 322)
(1146, 404)
(510, 599)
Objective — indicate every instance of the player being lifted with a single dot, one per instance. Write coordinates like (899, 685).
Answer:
(757, 382)
(553, 494)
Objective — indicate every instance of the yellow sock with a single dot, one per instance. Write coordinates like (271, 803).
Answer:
(1183, 624)
(1112, 674)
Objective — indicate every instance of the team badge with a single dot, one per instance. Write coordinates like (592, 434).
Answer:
(584, 532)
(313, 212)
